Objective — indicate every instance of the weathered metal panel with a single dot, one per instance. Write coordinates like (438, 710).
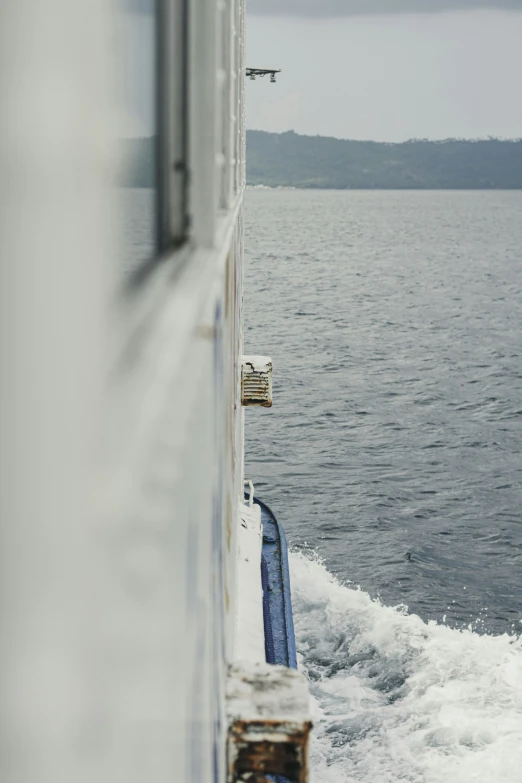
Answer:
(269, 723)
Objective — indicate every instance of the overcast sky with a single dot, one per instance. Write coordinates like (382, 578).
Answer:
(351, 71)
(339, 8)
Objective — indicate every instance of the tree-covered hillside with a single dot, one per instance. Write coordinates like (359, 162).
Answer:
(320, 162)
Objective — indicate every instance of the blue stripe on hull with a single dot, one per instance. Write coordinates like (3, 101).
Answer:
(277, 599)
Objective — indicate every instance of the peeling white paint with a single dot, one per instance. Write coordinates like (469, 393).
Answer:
(262, 691)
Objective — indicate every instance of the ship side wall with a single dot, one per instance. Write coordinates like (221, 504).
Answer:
(122, 429)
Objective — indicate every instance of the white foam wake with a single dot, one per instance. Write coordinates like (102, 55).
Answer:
(396, 699)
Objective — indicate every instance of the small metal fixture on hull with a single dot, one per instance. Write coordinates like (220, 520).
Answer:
(253, 72)
(256, 381)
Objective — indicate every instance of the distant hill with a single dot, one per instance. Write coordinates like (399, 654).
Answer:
(289, 159)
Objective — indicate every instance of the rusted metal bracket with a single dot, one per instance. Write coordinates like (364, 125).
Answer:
(268, 723)
(256, 381)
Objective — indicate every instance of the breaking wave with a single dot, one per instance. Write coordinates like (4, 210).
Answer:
(396, 699)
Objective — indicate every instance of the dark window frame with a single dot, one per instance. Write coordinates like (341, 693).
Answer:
(171, 137)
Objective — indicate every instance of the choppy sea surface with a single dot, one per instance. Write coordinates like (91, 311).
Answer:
(392, 456)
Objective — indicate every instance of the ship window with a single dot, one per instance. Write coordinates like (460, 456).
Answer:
(226, 63)
(230, 20)
(136, 53)
(229, 47)
(172, 121)
(151, 174)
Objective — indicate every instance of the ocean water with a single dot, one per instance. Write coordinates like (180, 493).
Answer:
(392, 456)
(135, 228)
(398, 699)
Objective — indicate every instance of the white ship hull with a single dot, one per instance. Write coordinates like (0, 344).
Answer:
(121, 485)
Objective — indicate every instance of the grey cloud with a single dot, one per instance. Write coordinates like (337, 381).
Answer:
(332, 8)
